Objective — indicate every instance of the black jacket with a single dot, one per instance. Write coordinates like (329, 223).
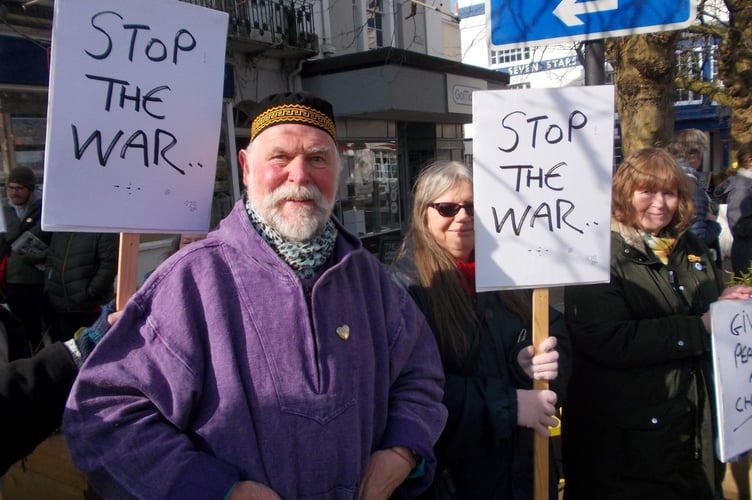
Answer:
(488, 455)
(33, 392)
(80, 271)
(25, 269)
(638, 421)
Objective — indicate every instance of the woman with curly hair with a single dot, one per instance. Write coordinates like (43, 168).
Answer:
(638, 422)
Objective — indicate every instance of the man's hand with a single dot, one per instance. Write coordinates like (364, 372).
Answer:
(249, 490)
(535, 409)
(386, 470)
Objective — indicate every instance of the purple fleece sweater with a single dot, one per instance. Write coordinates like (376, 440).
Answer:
(220, 370)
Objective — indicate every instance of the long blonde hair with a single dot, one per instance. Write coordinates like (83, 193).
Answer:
(453, 312)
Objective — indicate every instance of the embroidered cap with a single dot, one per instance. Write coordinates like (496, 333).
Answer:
(294, 107)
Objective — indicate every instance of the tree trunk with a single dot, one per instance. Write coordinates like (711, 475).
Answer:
(735, 69)
(644, 73)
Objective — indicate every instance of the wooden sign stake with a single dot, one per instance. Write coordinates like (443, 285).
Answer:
(540, 443)
(127, 269)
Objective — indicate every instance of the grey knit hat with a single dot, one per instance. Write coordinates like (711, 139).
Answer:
(23, 176)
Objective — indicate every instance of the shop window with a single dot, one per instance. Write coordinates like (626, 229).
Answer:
(369, 194)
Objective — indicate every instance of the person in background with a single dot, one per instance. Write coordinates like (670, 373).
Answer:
(720, 198)
(720, 193)
(739, 213)
(275, 358)
(33, 391)
(24, 275)
(486, 449)
(688, 147)
(638, 421)
(79, 277)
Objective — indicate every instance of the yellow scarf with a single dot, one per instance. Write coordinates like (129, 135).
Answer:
(660, 245)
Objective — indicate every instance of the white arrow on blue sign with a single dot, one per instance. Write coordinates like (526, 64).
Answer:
(541, 22)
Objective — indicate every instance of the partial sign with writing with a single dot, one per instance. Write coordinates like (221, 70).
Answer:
(732, 367)
(542, 160)
(134, 112)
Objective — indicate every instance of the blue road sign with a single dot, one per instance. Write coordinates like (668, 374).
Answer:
(540, 22)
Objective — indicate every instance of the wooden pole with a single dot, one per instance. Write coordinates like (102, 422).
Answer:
(127, 269)
(540, 444)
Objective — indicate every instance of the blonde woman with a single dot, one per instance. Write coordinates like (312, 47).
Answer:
(485, 450)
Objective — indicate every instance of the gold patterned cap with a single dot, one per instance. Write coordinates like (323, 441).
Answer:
(294, 107)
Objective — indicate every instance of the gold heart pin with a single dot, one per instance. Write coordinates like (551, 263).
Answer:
(343, 332)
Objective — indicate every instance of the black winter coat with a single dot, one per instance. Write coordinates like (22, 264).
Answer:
(739, 216)
(638, 421)
(24, 269)
(487, 454)
(80, 271)
(33, 392)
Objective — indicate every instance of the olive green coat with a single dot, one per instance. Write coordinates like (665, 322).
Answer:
(638, 422)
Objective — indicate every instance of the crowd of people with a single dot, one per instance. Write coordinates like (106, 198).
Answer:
(278, 358)
(52, 282)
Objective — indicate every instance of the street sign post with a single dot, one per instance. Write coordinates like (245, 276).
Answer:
(515, 23)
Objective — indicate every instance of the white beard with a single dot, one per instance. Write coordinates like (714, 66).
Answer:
(300, 224)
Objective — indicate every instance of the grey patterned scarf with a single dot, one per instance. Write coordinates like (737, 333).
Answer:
(304, 257)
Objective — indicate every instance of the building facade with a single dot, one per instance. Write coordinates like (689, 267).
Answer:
(392, 70)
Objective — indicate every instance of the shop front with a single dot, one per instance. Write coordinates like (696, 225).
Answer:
(396, 112)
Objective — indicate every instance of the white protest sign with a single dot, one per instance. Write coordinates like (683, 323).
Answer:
(542, 184)
(732, 369)
(135, 104)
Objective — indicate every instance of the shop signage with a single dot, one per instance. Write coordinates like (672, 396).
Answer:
(135, 103)
(537, 67)
(542, 161)
(514, 23)
(460, 92)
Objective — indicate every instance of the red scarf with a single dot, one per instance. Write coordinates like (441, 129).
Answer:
(468, 271)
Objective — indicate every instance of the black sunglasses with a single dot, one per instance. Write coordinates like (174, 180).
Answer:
(448, 209)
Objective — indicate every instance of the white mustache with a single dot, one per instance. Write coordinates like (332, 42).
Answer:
(296, 193)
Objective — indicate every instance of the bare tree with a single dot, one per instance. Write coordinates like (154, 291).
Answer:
(728, 25)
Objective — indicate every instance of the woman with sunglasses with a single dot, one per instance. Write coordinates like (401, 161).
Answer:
(638, 421)
(485, 450)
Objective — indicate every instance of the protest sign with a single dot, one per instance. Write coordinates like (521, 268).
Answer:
(135, 103)
(542, 161)
(732, 369)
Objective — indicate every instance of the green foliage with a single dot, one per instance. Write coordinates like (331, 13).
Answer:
(744, 277)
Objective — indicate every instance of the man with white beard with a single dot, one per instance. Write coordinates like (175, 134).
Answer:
(274, 359)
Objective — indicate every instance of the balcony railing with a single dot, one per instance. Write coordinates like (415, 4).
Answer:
(284, 27)
(257, 25)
